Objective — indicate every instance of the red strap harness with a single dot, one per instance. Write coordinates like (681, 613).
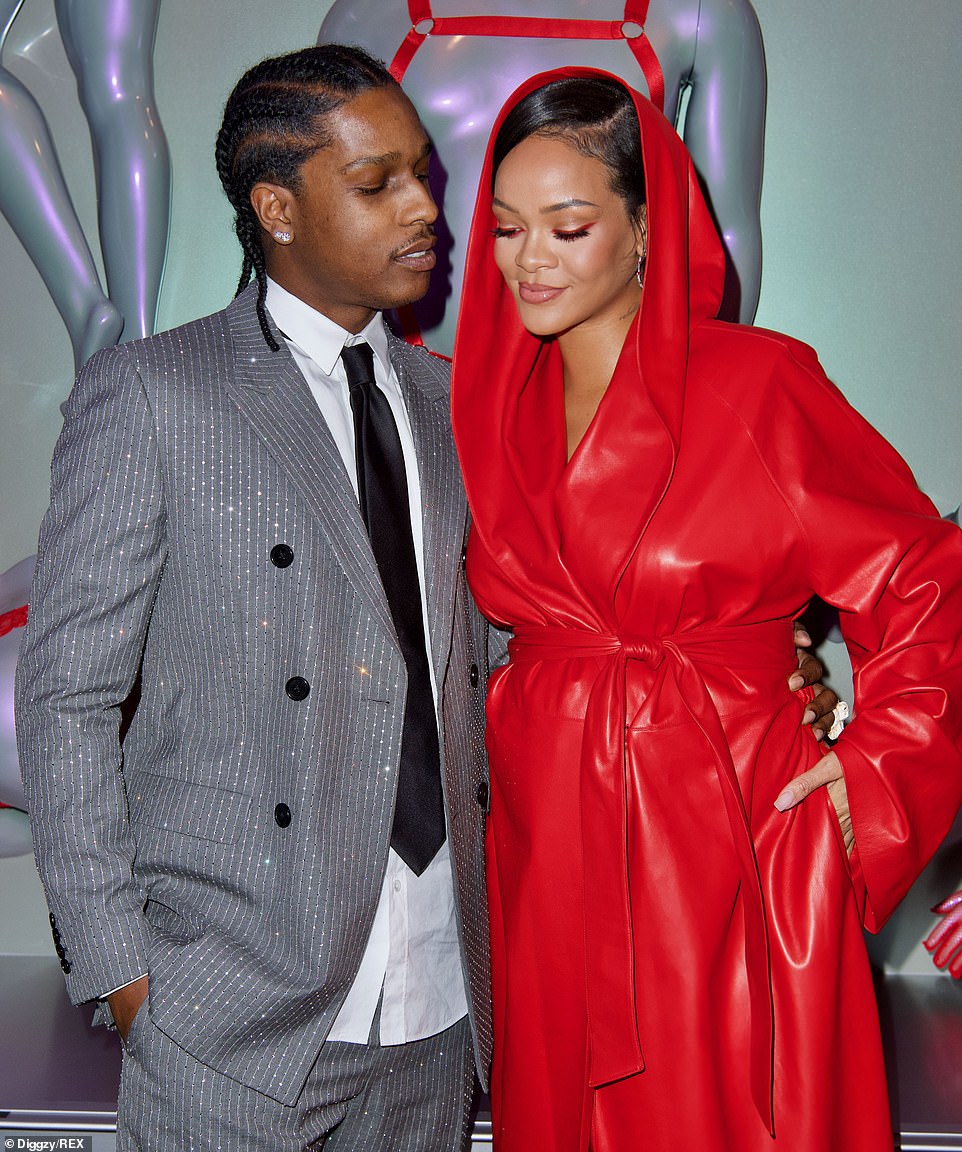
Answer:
(631, 29)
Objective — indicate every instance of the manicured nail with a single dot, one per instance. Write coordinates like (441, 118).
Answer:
(809, 716)
(797, 681)
(802, 634)
(785, 800)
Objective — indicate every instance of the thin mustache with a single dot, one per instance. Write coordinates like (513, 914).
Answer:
(426, 236)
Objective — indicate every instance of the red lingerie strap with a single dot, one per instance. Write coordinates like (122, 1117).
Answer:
(15, 618)
(630, 29)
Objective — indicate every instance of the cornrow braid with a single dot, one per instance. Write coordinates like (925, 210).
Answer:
(274, 122)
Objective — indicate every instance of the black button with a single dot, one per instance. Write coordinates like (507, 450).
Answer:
(474, 676)
(53, 920)
(297, 688)
(282, 815)
(482, 794)
(65, 966)
(60, 950)
(282, 555)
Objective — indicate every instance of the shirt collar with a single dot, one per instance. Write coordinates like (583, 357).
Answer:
(317, 335)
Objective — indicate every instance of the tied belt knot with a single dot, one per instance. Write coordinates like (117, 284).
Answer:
(648, 651)
(613, 1030)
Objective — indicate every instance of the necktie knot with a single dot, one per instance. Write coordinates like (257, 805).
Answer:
(358, 360)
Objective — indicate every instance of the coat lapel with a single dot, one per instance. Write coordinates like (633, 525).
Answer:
(443, 506)
(273, 396)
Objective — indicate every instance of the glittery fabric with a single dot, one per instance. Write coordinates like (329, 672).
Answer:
(235, 848)
(409, 1098)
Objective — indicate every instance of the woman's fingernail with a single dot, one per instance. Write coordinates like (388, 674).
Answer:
(785, 800)
(808, 717)
(797, 681)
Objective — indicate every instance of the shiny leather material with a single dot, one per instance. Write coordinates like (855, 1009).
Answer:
(650, 907)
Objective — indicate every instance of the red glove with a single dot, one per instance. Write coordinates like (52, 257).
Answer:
(945, 939)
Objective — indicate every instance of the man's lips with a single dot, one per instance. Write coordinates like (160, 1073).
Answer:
(418, 256)
(537, 293)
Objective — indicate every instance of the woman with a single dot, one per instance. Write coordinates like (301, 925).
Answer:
(676, 938)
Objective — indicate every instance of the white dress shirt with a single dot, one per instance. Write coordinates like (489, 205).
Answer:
(412, 954)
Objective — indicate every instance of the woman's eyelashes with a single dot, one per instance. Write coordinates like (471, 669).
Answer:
(557, 233)
(574, 234)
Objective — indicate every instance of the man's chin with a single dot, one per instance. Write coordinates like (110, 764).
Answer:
(406, 289)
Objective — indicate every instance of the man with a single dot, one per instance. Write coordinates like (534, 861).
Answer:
(264, 884)
(232, 862)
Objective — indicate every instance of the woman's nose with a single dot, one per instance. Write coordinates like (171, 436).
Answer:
(534, 253)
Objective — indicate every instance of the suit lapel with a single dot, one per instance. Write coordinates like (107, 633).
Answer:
(444, 512)
(273, 396)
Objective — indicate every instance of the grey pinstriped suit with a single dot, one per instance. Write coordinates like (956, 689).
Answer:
(184, 460)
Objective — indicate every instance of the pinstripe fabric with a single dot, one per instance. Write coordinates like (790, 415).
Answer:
(409, 1098)
(184, 459)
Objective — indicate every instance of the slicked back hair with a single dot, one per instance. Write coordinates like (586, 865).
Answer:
(596, 117)
(274, 122)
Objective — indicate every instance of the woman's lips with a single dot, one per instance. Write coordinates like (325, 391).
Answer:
(537, 293)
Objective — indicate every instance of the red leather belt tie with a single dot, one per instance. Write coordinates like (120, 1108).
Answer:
(615, 1043)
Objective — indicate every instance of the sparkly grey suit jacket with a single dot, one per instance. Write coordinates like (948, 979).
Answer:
(234, 846)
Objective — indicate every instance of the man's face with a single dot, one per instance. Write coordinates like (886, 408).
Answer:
(362, 221)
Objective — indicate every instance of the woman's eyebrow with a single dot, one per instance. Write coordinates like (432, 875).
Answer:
(559, 207)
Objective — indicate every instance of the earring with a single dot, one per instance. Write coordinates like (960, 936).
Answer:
(283, 237)
(640, 270)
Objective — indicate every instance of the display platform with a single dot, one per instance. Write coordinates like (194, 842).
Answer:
(56, 1071)
(922, 1028)
(59, 1073)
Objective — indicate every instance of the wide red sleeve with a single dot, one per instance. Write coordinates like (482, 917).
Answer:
(880, 553)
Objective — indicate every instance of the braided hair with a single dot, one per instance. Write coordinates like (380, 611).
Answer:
(273, 123)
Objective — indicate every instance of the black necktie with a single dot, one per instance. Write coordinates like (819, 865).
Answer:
(418, 830)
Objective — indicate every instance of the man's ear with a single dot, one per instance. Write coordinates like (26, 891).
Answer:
(273, 205)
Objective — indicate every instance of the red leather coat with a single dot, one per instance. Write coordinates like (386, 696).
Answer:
(677, 965)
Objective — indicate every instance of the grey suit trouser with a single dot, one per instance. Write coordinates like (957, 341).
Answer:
(357, 1098)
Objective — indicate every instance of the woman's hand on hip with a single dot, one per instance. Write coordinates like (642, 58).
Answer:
(827, 773)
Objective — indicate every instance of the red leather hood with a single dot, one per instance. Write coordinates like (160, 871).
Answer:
(640, 416)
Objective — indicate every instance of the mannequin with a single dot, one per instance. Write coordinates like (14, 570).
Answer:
(710, 49)
(110, 45)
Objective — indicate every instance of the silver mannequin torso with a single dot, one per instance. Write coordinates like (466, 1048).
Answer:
(711, 49)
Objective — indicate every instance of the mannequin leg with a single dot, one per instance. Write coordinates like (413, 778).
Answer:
(35, 200)
(110, 46)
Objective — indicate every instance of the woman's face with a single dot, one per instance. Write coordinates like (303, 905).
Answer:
(564, 242)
